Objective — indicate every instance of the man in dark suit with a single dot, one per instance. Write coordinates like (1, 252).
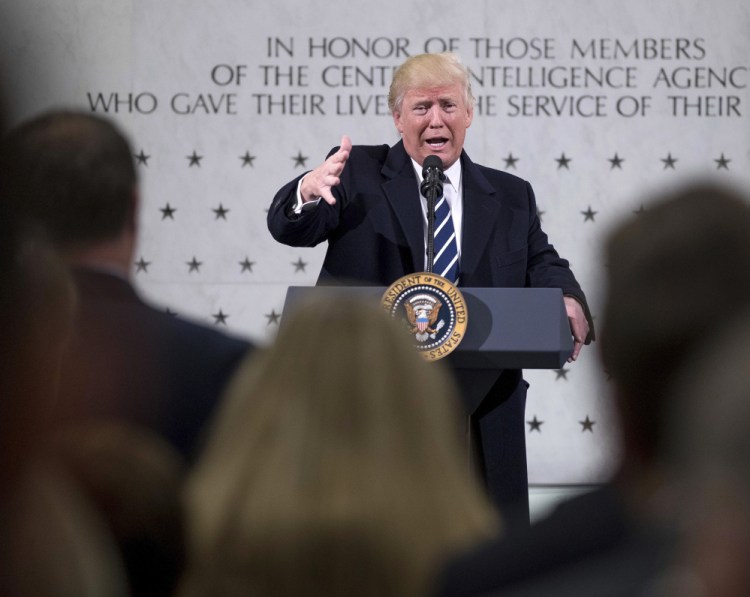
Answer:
(365, 201)
(72, 175)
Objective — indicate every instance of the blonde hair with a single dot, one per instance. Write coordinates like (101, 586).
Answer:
(429, 70)
(337, 465)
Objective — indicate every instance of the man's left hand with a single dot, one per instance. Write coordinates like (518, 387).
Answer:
(578, 325)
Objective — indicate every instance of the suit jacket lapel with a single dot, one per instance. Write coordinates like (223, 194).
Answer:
(481, 213)
(400, 187)
(482, 210)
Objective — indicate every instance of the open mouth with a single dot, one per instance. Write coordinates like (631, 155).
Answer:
(437, 143)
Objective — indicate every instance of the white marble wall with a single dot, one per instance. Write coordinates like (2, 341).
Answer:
(277, 82)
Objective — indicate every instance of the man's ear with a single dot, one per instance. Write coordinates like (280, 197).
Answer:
(469, 115)
(397, 121)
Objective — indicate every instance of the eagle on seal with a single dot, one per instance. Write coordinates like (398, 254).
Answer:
(422, 317)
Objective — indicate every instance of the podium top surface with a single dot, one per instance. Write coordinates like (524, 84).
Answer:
(508, 328)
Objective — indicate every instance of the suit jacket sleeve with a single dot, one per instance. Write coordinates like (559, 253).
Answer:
(307, 229)
(545, 268)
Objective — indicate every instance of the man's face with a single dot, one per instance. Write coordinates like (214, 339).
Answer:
(433, 121)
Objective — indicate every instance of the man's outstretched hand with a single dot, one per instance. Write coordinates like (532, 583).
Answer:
(319, 182)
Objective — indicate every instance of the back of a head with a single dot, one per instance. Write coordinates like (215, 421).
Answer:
(134, 478)
(710, 422)
(72, 174)
(341, 447)
(677, 273)
(37, 301)
(708, 454)
(358, 374)
(37, 316)
(350, 379)
(54, 541)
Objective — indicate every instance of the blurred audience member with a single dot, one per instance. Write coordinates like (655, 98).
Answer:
(52, 540)
(135, 479)
(710, 457)
(52, 543)
(37, 308)
(676, 274)
(72, 174)
(337, 466)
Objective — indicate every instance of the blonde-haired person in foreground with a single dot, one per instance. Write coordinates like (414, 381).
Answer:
(337, 466)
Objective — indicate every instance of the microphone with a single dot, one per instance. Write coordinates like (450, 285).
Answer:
(432, 177)
(431, 188)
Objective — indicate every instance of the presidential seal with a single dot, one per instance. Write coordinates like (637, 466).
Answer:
(432, 311)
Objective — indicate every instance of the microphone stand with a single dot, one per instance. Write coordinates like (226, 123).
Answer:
(431, 188)
(431, 197)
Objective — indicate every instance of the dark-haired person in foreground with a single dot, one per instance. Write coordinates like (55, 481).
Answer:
(365, 202)
(71, 174)
(677, 275)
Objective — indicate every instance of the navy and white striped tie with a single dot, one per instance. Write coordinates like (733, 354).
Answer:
(446, 248)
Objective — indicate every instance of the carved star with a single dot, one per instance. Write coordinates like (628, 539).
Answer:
(247, 159)
(722, 162)
(273, 317)
(589, 214)
(561, 373)
(300, 160)
(142, 265)
(669, 161)
(221, 212)
(535, 424)
(141, 158)
(220, 318)
(194, 265)
(247, 265)
(562, 162)
(510, 161)
(299, 265)
(616, 162)
(587, 425)
(167, 212)
(195, 159)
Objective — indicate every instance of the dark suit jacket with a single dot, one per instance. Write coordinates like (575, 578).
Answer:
(375, 235)
(592, 544)
(132, 362)
(375, 232)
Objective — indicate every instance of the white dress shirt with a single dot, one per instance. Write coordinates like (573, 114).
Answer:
(453, 192)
